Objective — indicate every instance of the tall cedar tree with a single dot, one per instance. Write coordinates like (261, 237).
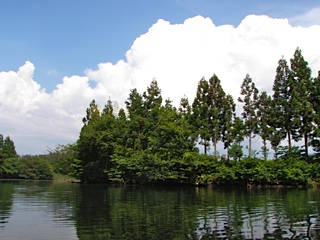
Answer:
(152, 97)
(1, 147)
(185, 112)
(216, 96)
(200, 110)
(122, 124)
(315, 96)
(228, 113)
(7, 148)
(282, 115)
(152, 102)
(184, 108)
(250, 105)
(136, 140)
(92, 112)
(238, 131)
(88, 149)
(264, 121)
(108, 135)
(276, 134)
(302, 105)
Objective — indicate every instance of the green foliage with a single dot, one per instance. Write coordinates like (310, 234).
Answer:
(282, 100)
(140, 168)
(315, 99)
(9, 169)
(212, 114)
(217, 104)
(1, 147)
(151, 141)
(63, 158)
(264, 121)
(200, 117)
(147, 168)
(30, 167)
(35, 167)
(7, 148)
(259, 172)
(97, 144)
(229, 135)
(8, 158)
(225, 175)
(315, 171)
(286, 153)
(302, 104)
(236, 151)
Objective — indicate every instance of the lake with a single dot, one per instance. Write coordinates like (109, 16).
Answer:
(52, 210)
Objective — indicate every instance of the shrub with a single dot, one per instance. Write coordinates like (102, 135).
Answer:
(9, 168)
(35, 168)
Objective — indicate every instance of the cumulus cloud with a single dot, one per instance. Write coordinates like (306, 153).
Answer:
(177, 56)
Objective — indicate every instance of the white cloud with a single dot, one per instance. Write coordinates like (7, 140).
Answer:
(178, 56)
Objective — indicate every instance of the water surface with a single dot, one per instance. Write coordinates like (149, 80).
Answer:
(48, 210)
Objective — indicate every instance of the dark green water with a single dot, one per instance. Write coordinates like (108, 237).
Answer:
(46, 210)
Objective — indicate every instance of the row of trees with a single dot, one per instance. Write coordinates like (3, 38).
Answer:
(152, 140)
(13, 166)
(291, 112)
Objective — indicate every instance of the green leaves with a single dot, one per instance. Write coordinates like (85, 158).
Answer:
(35, 168)
(7, 148)
(30, 167)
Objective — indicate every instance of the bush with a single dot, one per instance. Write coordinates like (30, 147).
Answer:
(35, 168)
(9, 169)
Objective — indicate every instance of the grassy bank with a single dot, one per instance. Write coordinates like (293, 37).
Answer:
(64, 178)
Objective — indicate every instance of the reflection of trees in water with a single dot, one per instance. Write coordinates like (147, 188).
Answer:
(55, 198)
(276, 214)
(61, 201)
(153, 213)
(135, 213)
(6, 196)
(104, 212)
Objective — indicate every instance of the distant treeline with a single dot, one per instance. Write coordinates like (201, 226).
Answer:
(152, 141)
(14, 167)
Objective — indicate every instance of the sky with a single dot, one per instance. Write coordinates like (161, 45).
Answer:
(57, 56)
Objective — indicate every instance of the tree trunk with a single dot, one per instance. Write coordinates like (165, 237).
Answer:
(289, 140)
(215, 143)
(306, 146)
(249, 149)
(205, 146)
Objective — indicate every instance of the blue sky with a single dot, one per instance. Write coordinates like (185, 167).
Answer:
(56, 56)
(63, 38)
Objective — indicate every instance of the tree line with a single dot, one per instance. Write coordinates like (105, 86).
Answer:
(153, 141)
(45, 166)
